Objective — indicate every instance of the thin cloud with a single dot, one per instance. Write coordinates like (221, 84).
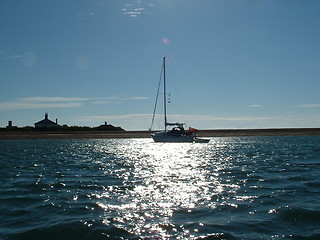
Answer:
(216, 118)
(38, 102)
(185, 117)
(134, 98)
(39, 99)
(254, 106)
(113, 117)
(101, 102)
(77, 99)
(6, 106)
(142, 121)
(115, 100)
(309, 105)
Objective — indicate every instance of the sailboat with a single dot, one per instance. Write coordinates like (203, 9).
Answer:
(173, 132)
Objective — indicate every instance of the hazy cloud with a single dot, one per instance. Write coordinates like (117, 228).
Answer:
(185, 117)
(113, 117)
(133, 98)
(254, 105)
(52, 99)
(78, 99)
(5, 106)
(316, 105)
(101, 102)
(143, 121)
(38, 102)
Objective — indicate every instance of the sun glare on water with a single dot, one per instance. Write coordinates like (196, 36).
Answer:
(154, 183)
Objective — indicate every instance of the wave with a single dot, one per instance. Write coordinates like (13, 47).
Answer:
(74, 231)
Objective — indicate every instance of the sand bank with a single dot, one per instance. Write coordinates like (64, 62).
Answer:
(6, 135)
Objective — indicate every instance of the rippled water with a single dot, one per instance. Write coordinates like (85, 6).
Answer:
(231, 188)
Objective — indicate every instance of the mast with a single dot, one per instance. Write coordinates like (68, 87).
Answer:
(164, 94)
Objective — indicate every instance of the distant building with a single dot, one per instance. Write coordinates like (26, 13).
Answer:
(10, 125)
(108, 127)
(46, 123)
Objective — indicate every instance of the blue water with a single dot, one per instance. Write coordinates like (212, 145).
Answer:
(231, 188)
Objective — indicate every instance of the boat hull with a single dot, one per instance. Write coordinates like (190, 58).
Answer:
(201, 140)
(165, 137)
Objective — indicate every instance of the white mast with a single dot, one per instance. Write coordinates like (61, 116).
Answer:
(164, 94)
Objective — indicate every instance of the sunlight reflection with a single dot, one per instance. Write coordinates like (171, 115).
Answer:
(153, 182)
(137, 7)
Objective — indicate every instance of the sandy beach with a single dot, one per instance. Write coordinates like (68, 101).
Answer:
(7, 135)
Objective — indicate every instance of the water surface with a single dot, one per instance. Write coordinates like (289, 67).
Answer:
(231, 188)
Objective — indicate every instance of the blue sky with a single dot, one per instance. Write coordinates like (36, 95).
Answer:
(231, 63)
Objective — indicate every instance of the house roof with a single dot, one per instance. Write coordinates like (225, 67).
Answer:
(46, 121)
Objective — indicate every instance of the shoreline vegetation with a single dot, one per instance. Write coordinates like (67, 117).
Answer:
(18, 133)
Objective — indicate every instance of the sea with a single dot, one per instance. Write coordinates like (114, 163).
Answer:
(230, 188)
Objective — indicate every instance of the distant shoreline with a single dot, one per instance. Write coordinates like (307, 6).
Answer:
(12, 135)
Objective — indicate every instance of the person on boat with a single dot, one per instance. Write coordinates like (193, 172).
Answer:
(181, 129)
(177, 131)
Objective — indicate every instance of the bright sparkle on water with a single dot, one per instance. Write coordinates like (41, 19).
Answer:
(158, 180)
(231, 188)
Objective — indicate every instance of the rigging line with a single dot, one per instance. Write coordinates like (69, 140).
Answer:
(156, 102)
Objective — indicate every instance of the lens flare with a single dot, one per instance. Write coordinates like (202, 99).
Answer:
(166, 41)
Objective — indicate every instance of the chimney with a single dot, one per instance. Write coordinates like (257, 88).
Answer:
(46, 116)
(56, 120)
(10, 124)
